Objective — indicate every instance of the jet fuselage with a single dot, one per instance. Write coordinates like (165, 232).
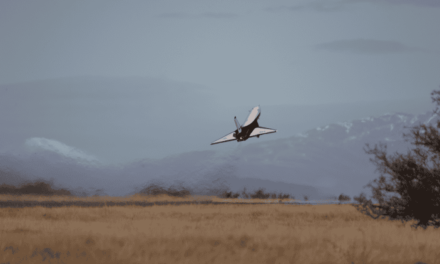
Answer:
(243, 132)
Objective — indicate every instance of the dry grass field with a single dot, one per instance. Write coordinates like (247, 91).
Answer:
(207, 233)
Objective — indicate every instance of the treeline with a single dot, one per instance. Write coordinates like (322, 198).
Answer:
(181, 191)
(46, 189)
(34, 188)
(155, 189)
(258, 194)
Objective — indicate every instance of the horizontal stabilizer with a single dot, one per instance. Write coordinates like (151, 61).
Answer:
(258, 131)
(228, 137)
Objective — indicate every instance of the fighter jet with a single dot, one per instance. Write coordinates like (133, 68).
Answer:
(249, 129)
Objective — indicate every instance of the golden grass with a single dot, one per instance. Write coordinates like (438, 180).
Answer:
(227, 233)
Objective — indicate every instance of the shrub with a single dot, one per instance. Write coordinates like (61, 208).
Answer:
(409, 184)
(227, 194)
(260, 194)
(342, 197)
(155, 189)
(284, 196)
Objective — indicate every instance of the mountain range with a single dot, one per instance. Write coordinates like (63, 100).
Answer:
(115, 135)
(318, 163)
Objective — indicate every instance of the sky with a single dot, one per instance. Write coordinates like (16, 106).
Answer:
(120, 92)
(273, 52)
(125, 80)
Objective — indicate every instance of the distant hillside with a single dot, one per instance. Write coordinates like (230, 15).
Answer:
(120, 120)
(319, 163)
(330, 157)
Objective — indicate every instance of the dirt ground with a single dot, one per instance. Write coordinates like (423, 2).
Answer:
(235, 232)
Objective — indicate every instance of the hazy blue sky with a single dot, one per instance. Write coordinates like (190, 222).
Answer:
(117, 82)
(286, 52)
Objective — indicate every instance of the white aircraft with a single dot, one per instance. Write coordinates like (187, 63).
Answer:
(250, 128)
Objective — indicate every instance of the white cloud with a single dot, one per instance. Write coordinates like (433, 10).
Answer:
(337, 5)
(422, 3)
(366, 46)
(182, 15)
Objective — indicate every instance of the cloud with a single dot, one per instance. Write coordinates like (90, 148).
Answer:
(212, 15)
(421, 3)
(331, 6)
(59, 148)
(320, 6)
(366, 46)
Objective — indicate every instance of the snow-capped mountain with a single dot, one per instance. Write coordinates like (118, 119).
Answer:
(330, 157)
(319, 163)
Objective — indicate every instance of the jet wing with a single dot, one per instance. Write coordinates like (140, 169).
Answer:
(261, 131)
(227, 138)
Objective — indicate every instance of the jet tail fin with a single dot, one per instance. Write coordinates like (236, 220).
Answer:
(237, 124)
